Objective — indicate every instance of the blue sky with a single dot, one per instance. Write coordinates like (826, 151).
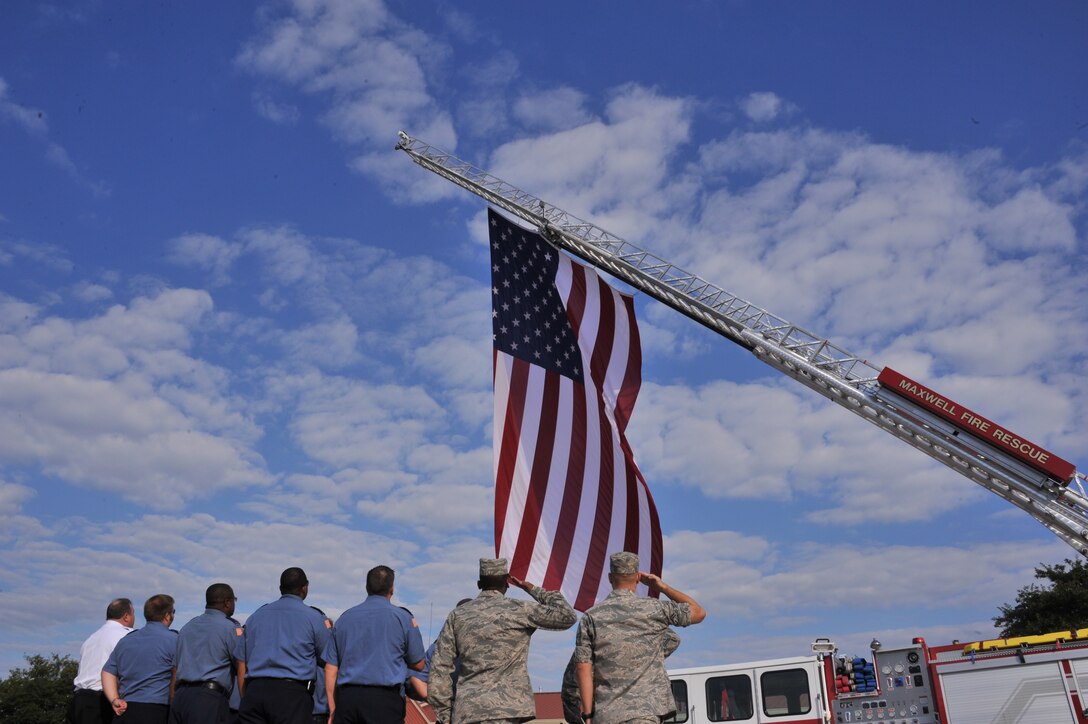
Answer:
(239, 332)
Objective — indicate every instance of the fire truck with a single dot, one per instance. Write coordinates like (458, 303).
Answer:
(1026, 680)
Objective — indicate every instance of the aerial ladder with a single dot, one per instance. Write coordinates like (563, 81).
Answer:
(892, 402)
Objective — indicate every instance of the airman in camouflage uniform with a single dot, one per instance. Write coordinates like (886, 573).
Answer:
(490, 634)
(618, 652)
(569, 694)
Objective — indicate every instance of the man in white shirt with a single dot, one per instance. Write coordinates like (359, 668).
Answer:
(89, 704)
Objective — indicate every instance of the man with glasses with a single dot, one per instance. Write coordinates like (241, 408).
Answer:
(138, 676)
(205, 662)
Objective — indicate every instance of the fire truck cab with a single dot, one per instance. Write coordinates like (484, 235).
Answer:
(786, 691)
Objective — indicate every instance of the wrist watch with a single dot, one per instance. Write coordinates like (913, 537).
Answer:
(587, 715)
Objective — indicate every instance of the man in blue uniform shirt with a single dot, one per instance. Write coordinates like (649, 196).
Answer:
(205, 663)
(321, 701)
(138, 676)
(278, 656)
(368, 656)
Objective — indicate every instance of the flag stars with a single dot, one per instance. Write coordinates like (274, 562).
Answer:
(528, 319)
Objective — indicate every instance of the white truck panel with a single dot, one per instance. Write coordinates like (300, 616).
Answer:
(1019, 694)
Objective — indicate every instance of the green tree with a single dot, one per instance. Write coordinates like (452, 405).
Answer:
(1060, 605)
(39, 693)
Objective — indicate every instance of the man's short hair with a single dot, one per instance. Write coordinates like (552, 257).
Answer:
(118, 609)
(292, 581)
(493, 583)
(379, 581)
(158, 606)
(218, 593)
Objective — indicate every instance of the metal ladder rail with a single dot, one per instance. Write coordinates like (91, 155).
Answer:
(815, 362)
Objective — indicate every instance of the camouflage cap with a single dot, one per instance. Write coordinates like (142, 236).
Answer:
(490, 567)
(623, 564)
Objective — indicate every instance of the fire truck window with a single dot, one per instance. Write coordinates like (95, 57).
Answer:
(729, 698)
(680, 693)
(785, 692)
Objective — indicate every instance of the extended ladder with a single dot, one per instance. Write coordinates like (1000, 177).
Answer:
(813, 361)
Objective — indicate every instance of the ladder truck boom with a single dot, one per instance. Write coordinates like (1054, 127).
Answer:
(1034, 480)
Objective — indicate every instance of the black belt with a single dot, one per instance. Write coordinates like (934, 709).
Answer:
(213, 685)
(308, 684)
(390, 687)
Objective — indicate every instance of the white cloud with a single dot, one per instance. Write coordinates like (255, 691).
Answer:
(34, 122)
(207, 252)
(112, 403)
(370, 66)
(556, 109)
(763, 441)
(283, 114)
(90, 292)
(764, 106)
(614, 169)
(765, 579)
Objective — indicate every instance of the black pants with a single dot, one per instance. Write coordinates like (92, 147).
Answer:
(276, 701)
(141, 713)
(369, 705)
(89, 707)
(198, 705)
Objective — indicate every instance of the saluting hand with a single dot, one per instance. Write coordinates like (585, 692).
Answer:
(523, 585)
(654, 583)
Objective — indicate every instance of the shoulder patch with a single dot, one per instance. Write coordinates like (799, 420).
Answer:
(328, 623)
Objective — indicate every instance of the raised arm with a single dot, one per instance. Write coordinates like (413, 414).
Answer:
(552, 611)
(698, 613)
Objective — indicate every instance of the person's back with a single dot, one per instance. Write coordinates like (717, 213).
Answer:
(619, 653)
(493, 634)
(569, 694)
(490, 636)
(136, 677)
(369, 654)
(89, 705)
(205, 661)
(278, 654)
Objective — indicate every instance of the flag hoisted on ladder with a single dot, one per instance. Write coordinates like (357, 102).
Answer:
(567, 370)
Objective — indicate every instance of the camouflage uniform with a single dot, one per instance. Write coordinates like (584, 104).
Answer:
(569, 694)
(622, 638)
(490, 634)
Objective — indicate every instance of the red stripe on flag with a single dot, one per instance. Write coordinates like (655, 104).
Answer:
(572, 493)
(632, 377)
(602, 519)
(511, 434)
(606, 326)
(538, 480)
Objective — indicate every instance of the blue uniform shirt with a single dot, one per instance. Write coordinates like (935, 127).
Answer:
(373, 644)
(282, 640)
(206, 649)
(425, 675)
(321, 699)
(143, 662)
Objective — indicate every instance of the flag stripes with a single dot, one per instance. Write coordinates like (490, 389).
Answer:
(567, 490)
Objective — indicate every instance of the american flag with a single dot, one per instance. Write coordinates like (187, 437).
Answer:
(567, 490)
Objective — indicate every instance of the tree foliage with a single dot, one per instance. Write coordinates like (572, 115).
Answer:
(1060, 605)
(39, 693)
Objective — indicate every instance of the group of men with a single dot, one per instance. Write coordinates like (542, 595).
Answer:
(290, 665)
